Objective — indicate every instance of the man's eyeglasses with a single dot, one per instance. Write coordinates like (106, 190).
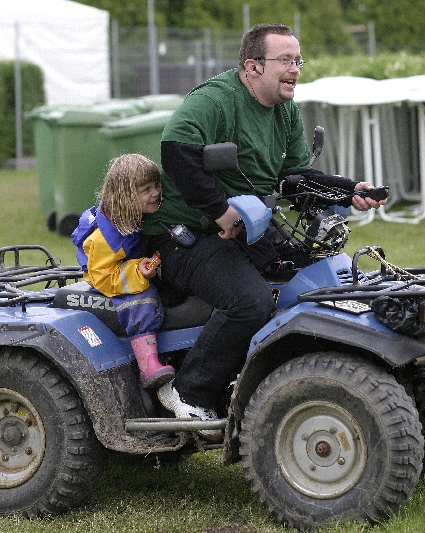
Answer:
(286, 62)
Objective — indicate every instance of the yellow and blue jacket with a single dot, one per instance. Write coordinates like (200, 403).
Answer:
(109, 260)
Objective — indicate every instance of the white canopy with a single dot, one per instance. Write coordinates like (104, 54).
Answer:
(375, 131)
(68, 40)
(351, 90)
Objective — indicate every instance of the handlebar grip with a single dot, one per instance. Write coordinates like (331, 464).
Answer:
(377, 193)
(293, 179)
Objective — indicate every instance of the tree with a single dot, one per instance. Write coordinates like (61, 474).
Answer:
(126, 12)
(319, 21)
(322, 23)
(395, 21)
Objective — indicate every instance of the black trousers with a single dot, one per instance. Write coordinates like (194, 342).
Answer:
(220, 273)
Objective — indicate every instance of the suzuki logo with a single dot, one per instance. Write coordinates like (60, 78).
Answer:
(91, 301)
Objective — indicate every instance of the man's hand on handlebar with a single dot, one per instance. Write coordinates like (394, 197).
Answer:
(363, 202)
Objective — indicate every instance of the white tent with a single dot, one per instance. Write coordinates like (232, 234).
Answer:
(375, 132)
(350, 90)
(68, 40)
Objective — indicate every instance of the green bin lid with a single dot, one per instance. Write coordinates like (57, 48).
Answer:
(162, 101)
(44, 111)
(82, 117)
(95, 113)
(148, 122)
(121, 108)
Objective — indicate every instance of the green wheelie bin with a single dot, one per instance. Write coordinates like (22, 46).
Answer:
(138, 134)
(72, 157)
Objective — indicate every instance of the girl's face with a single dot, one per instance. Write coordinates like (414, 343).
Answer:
(149, 196)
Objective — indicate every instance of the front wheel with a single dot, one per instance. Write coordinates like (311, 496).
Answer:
(327, 437)
(50, 459)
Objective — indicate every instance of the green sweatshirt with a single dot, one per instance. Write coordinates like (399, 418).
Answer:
(270, 141)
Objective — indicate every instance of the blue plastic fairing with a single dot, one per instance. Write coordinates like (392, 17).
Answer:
(255, 215)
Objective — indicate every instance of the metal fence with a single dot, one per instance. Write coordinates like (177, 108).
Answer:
(155, 60)
(170, 61)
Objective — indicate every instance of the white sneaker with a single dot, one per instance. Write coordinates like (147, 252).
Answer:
(170, 399)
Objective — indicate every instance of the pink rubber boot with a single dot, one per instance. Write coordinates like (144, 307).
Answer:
(152, 373)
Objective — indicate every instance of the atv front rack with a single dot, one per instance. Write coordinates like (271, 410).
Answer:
(399, 283)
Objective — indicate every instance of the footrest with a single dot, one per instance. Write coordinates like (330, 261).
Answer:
(173, 424)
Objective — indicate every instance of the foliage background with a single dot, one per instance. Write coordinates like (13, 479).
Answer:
(396, 22)
(32, 95)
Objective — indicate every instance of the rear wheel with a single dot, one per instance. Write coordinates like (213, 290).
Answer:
(50, 459)
(51, 220)
(67, 224)
(327, 438)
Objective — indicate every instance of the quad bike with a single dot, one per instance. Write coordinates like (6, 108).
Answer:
(325, 415)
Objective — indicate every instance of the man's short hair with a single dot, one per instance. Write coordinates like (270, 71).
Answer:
(254, 41)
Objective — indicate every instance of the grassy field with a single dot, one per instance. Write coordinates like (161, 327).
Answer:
(198, 495)
(21, 222)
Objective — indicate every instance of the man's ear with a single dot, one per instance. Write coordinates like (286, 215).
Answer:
(250, 66)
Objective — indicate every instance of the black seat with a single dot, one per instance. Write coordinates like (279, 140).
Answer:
(190, 313)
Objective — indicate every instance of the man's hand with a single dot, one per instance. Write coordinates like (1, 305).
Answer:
(227, 224)
(364, 204)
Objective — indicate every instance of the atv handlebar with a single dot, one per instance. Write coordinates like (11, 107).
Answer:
(314, 188)
(377, 193)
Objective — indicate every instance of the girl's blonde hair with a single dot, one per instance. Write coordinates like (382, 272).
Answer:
(118, 196)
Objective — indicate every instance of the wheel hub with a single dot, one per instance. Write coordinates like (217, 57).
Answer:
(22, 439)
(321, 449)
(11, 435)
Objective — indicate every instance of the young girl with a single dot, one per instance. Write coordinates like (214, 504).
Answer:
(109, 247)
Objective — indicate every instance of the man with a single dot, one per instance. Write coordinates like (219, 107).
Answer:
(253, 107)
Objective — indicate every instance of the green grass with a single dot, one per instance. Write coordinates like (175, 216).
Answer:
(21, 221)
(198, 495)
